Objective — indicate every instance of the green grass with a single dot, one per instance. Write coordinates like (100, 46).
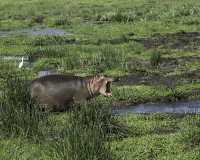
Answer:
(91, 132)
(161, 137)
(83, 133)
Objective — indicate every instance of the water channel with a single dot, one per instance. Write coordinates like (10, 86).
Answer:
(192, 106)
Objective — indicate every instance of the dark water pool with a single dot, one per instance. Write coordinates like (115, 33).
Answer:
(175, 107)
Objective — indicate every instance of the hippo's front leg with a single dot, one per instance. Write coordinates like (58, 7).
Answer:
(80, 101)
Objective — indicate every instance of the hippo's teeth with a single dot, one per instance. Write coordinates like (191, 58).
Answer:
(109, 94)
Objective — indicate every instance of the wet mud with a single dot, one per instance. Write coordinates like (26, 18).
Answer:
(179, 40)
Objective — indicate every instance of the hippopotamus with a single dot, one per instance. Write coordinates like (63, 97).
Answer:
(59, 92)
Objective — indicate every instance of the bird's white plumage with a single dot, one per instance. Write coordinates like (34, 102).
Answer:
(21, 63)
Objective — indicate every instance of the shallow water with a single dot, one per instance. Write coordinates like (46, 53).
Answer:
(14, 58)
(38, 31)
(46, 71)
(175, 107)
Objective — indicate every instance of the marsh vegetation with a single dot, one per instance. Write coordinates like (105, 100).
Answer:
(153, 46)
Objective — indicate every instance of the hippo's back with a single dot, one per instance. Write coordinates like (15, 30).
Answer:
(58, 90)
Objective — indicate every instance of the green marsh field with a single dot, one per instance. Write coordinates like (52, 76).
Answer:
(152, 45)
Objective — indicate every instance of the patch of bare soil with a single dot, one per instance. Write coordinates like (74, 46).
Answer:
(179, 40)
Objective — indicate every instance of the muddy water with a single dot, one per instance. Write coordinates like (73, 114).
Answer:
(175, 107)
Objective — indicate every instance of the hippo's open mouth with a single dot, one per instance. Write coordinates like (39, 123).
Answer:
(108, 94)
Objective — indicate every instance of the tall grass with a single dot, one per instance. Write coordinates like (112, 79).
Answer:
(50, 40)
(57, 20)
(45, 52)
(182, 14)
(19, 114)
(87, 134)
(155, 57)
(111, 57)
(190, 130)
(107, 58)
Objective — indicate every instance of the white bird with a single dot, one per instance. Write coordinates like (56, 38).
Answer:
(21, 63)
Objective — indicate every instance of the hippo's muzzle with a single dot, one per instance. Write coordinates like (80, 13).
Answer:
(105, 85)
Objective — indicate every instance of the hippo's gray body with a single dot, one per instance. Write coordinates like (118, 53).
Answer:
(56, 92)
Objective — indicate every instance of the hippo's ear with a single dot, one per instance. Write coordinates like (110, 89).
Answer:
(95, 78)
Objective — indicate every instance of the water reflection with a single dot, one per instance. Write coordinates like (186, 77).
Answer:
(176, 107)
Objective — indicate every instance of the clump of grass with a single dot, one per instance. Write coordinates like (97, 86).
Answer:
(88, 133)
(57, 20)
(61, 21)
(6, 69)
(116, 16)
(190, 130)
(19, 114)
(45, 52)
(155, 57)
(110, 58)
(10, 68)
(70, 63)
(50, 40)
